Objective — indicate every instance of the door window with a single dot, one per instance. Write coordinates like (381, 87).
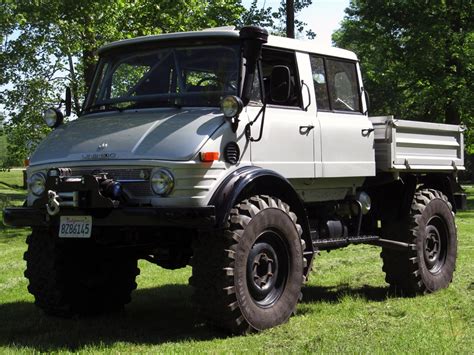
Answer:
(320, 84)
(270, 59)
(335, 83)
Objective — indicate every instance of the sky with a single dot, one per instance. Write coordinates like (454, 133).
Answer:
(322, 16)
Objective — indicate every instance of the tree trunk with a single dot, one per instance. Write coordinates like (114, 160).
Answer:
(453, 67)
(451, 112)
(290, 18)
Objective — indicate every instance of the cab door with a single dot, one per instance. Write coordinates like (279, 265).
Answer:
(287, 142)
(346, 133)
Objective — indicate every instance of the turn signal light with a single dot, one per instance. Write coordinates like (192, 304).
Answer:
(209, 156)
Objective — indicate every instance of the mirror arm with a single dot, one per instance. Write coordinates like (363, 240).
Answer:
(68, 101)
(248, 126)
(309, 94)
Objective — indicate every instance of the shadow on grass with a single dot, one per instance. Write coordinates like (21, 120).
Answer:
(11, 186)
(155, 316)
(334, 294)
(10, 198)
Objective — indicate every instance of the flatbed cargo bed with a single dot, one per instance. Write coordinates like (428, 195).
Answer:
(413, 146)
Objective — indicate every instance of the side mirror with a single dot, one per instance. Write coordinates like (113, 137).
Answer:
(280, 80)
(68, 101)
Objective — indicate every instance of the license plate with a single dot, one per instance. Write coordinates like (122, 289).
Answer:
(75, 226)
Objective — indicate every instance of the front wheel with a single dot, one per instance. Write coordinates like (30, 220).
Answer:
(249, 276)
(77, 277)
(431, 228)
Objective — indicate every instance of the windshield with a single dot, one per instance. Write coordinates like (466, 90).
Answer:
(166, 77)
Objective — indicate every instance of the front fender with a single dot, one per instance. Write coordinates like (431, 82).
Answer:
(251, 180)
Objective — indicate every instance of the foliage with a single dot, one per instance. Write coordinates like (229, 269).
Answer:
(48, 45)
(3, 146)
(417, 56)
(275, 19)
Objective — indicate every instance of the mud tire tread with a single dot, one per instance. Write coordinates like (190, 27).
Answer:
(404, 271)
(69, 281)
(213, 266)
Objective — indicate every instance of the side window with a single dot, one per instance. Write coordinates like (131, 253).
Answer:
(336, 85)
(343, 86)
(320, 84)
(270, 59)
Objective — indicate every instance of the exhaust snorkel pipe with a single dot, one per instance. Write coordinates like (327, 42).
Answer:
(253, 38)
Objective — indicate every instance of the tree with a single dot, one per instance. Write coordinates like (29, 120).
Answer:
(276, 19)
(290, 18)
(50, 44)
(417, 56)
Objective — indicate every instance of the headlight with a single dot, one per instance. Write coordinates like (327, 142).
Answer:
(37, 184)
(53, 117)
(231, 106)
(162, 182)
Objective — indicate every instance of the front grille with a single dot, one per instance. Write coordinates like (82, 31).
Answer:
(135, 182)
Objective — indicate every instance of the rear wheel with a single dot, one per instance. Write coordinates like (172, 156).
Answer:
(77, 278)
(431, 228)
(249, 276)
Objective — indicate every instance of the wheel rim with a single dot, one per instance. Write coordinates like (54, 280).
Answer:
(435, 244)
(267, 268)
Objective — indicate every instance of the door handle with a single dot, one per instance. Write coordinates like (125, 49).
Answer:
(306, 129)
(367, 131)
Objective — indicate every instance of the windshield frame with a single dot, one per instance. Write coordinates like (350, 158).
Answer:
(111, 55)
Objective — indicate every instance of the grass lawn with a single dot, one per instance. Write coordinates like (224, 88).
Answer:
(345, 308)
(12, 178)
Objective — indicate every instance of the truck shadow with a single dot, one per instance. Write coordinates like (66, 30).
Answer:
(334, 294)
(155, 316)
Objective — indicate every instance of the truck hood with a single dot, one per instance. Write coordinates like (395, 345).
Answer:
(164, 134)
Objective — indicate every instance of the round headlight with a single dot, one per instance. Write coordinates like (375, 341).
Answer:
(37, 184)
(162, 182)
(52, 117)
(231, 106)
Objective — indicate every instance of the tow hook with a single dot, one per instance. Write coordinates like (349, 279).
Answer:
(53, 203)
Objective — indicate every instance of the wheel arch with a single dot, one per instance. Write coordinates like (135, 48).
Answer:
(251, 180)
(399, 193)
(442, 182)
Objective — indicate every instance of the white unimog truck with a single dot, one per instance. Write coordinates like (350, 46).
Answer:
(243, 155)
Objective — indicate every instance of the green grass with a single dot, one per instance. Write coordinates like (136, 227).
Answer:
(12, 178)
(11, 193)
(345, 308)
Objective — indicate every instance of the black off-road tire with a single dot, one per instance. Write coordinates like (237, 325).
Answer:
(249, 276)
(430, 265)
(77, 277)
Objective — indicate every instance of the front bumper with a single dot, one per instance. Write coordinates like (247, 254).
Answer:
(198, 217)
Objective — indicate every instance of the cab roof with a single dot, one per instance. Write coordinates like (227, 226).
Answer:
(305, 46)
